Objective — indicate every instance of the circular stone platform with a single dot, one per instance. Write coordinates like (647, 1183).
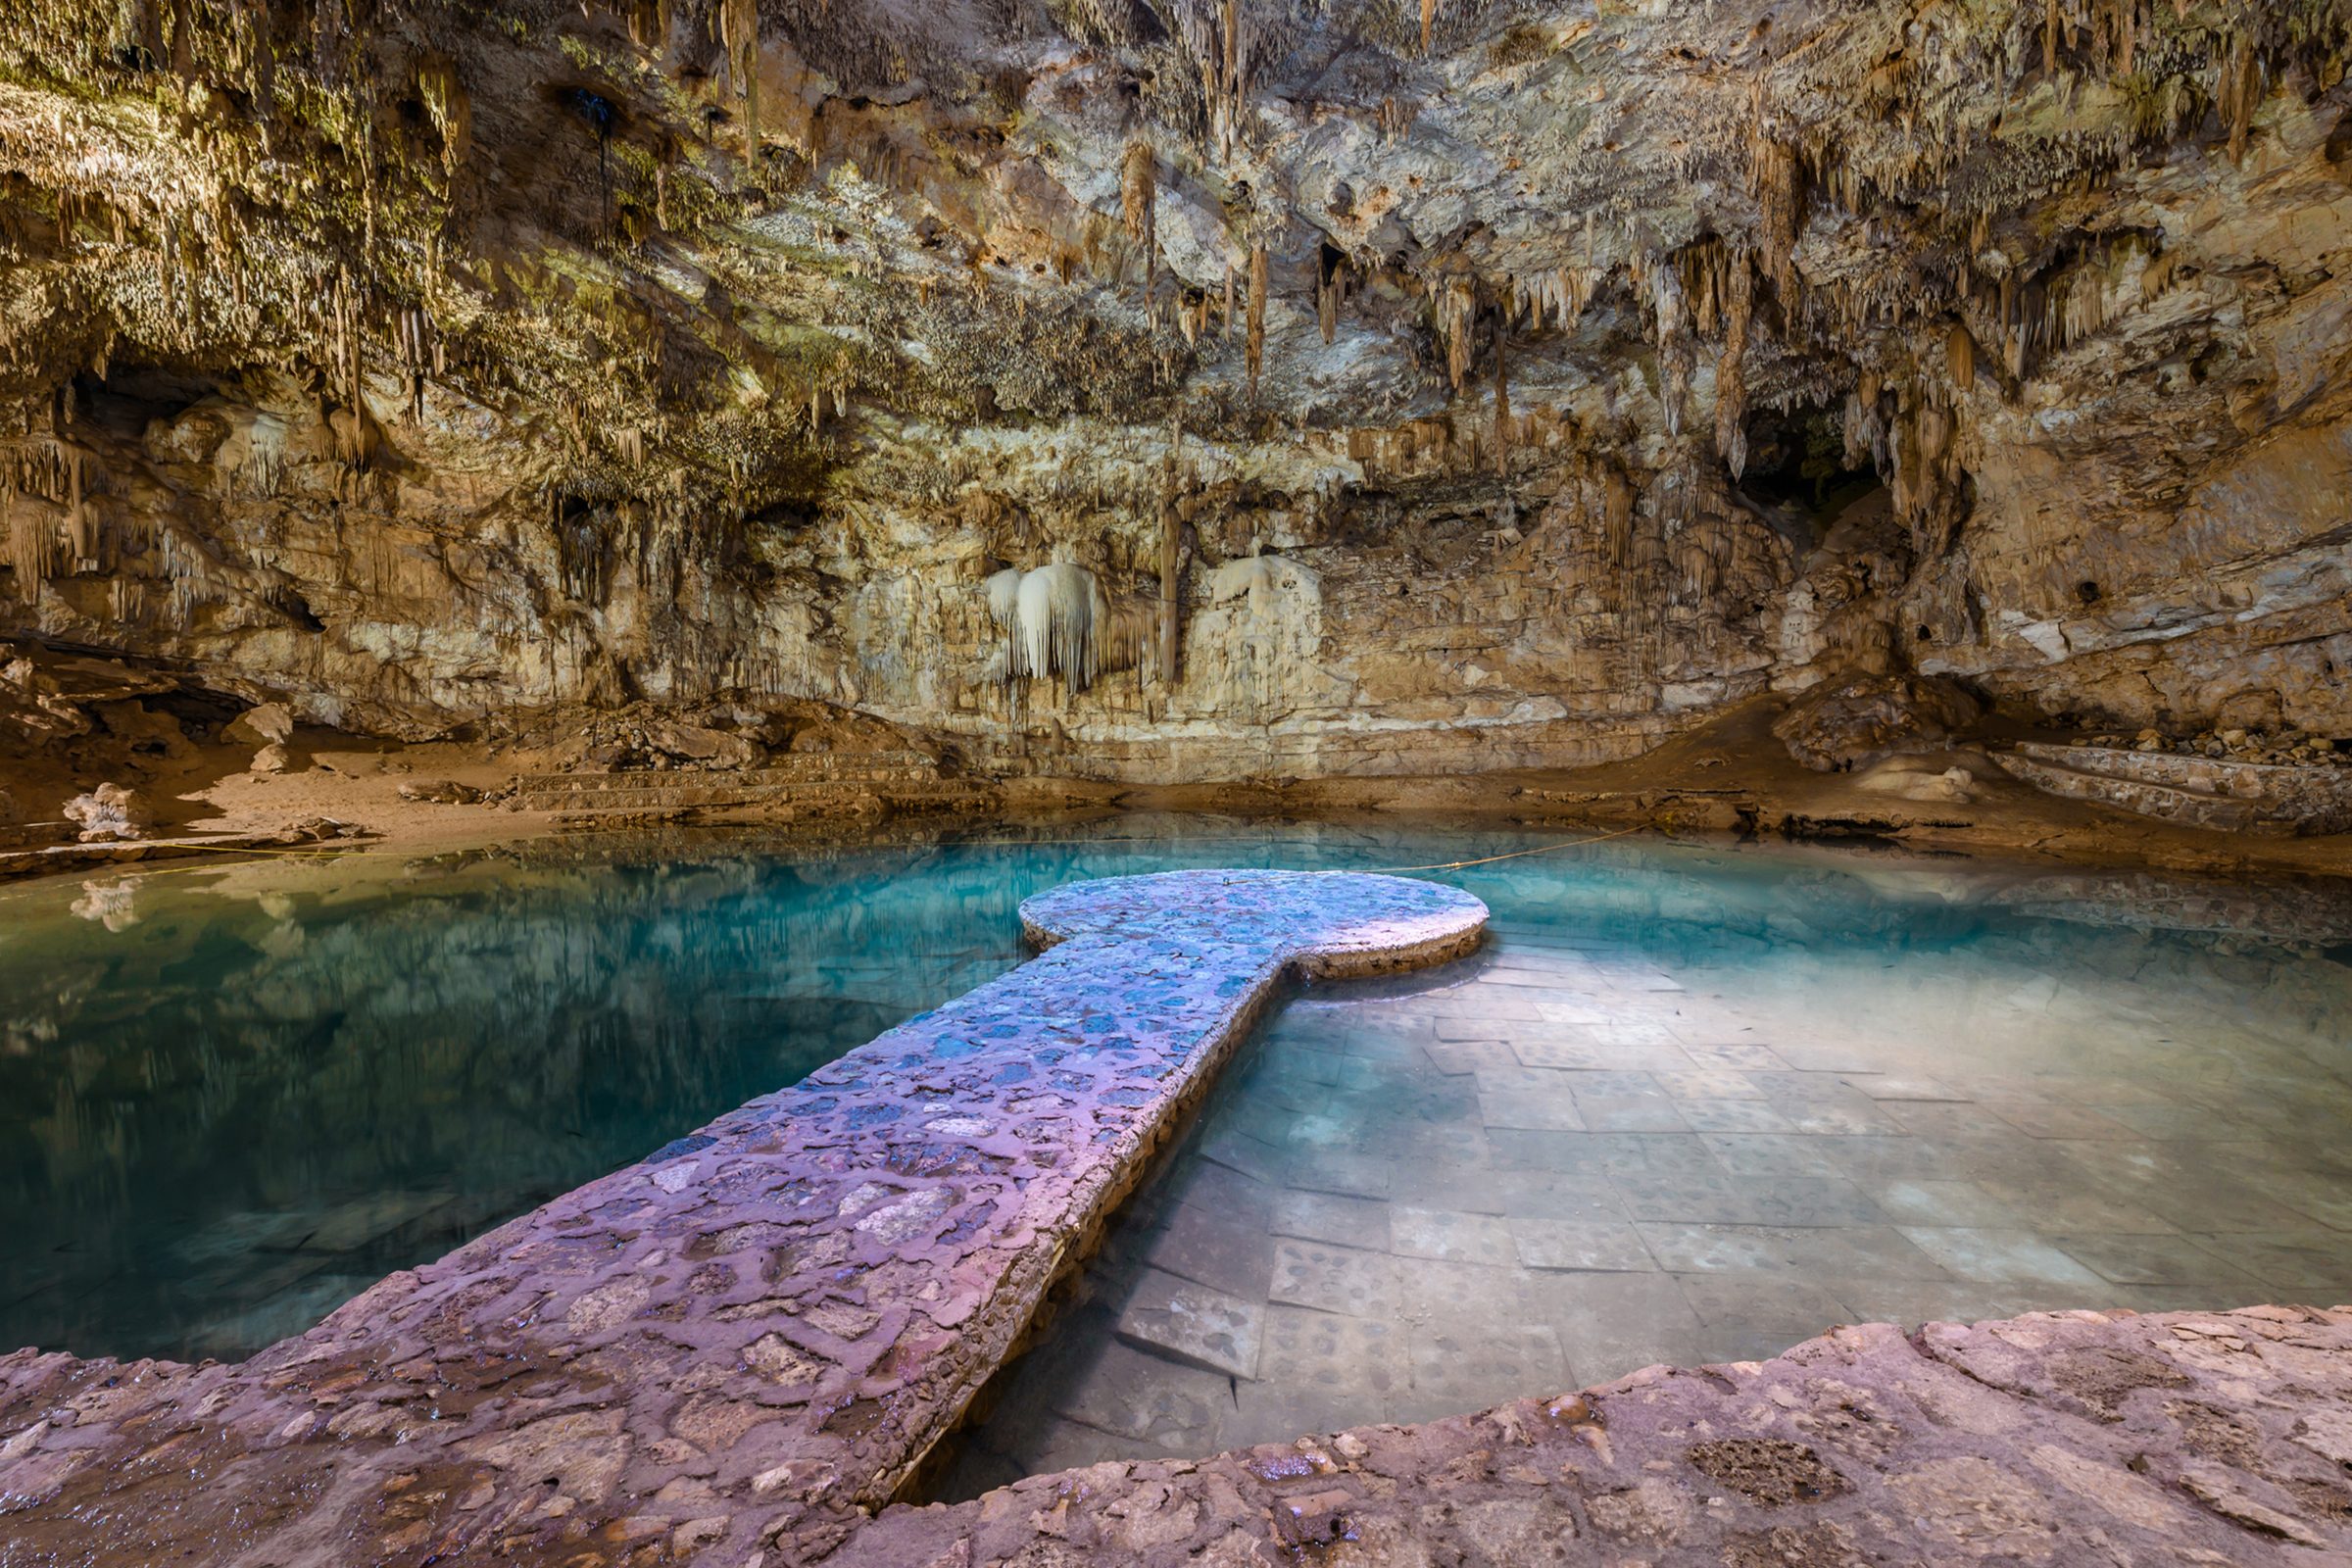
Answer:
(1327, 923)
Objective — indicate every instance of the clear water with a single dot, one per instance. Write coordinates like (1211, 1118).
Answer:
(1694, 1106)
(232, 1099)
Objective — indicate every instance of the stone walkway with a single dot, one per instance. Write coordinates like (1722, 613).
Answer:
(745, 1343)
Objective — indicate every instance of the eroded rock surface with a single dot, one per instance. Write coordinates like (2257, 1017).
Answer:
(2060, 1437)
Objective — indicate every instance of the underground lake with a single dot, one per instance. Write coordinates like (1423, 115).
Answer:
(1688, 1102)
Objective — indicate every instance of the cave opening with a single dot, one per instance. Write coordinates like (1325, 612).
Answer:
(1797, 460)
(128, 398)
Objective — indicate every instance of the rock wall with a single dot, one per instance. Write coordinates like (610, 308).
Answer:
(1512, 394)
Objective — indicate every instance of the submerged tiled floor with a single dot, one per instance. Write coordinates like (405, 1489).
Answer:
(1573, 1158)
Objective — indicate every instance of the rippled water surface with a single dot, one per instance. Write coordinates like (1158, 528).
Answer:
(1691, 1103)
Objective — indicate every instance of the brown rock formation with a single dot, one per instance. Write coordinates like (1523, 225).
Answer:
(428, 368)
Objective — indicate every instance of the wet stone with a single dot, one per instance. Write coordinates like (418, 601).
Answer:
(1210, 1249)
(1451, 1237)
(1544, 1244)
(1335, 1279)
(1330, 1356)
(1334, 1217)
(1457, 1371)
(1194, 1323)
(1148, 1397)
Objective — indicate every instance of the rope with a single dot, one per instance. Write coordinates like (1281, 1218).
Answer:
(1541, 849)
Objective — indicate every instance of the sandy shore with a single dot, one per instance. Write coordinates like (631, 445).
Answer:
(1730, 778)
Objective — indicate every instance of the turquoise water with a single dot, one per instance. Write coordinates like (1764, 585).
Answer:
(232, 1099)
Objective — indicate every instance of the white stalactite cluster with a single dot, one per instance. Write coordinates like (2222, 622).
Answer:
(1059, 620)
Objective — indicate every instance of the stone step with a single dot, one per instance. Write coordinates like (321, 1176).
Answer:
(2165, 801)
(2282, 783)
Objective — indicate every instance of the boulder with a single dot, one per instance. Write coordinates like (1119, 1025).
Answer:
(270, 761)
(448, 792)
(710, 747)
(1919, 779)
(270, 724)
(109, 811)
(1860, 718)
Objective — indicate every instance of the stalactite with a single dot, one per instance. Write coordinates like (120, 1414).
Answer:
(1226, 49)
(420, 357)
(1562, 293)
(1429, 21)
(739, 34)
(1502, 406)
(1670, 310)
(2238, 90)
(342, 310)
(1458, 310)
(34, 551)
(81, 520)
(649, 24)
(1128, 638)
(1256, 358)
(1331, 279)
(1617, 516)
(1005, 609)
(1053, 628)
(1778, 181)
(451, 110)
(1859, 430)
(1731, 372)
(1960, 354)
(1170, 549)
(1139, 199)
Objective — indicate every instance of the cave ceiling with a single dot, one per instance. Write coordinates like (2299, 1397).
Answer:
(1010, 274)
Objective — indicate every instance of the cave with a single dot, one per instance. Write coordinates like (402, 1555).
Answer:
(1180, 782)
(1798, 460)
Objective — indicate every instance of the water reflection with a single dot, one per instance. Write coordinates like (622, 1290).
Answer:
(230, 1115)
(229, 1101)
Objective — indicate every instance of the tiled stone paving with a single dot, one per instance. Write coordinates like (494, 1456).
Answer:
(1559, 1162)
(735, 1346)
